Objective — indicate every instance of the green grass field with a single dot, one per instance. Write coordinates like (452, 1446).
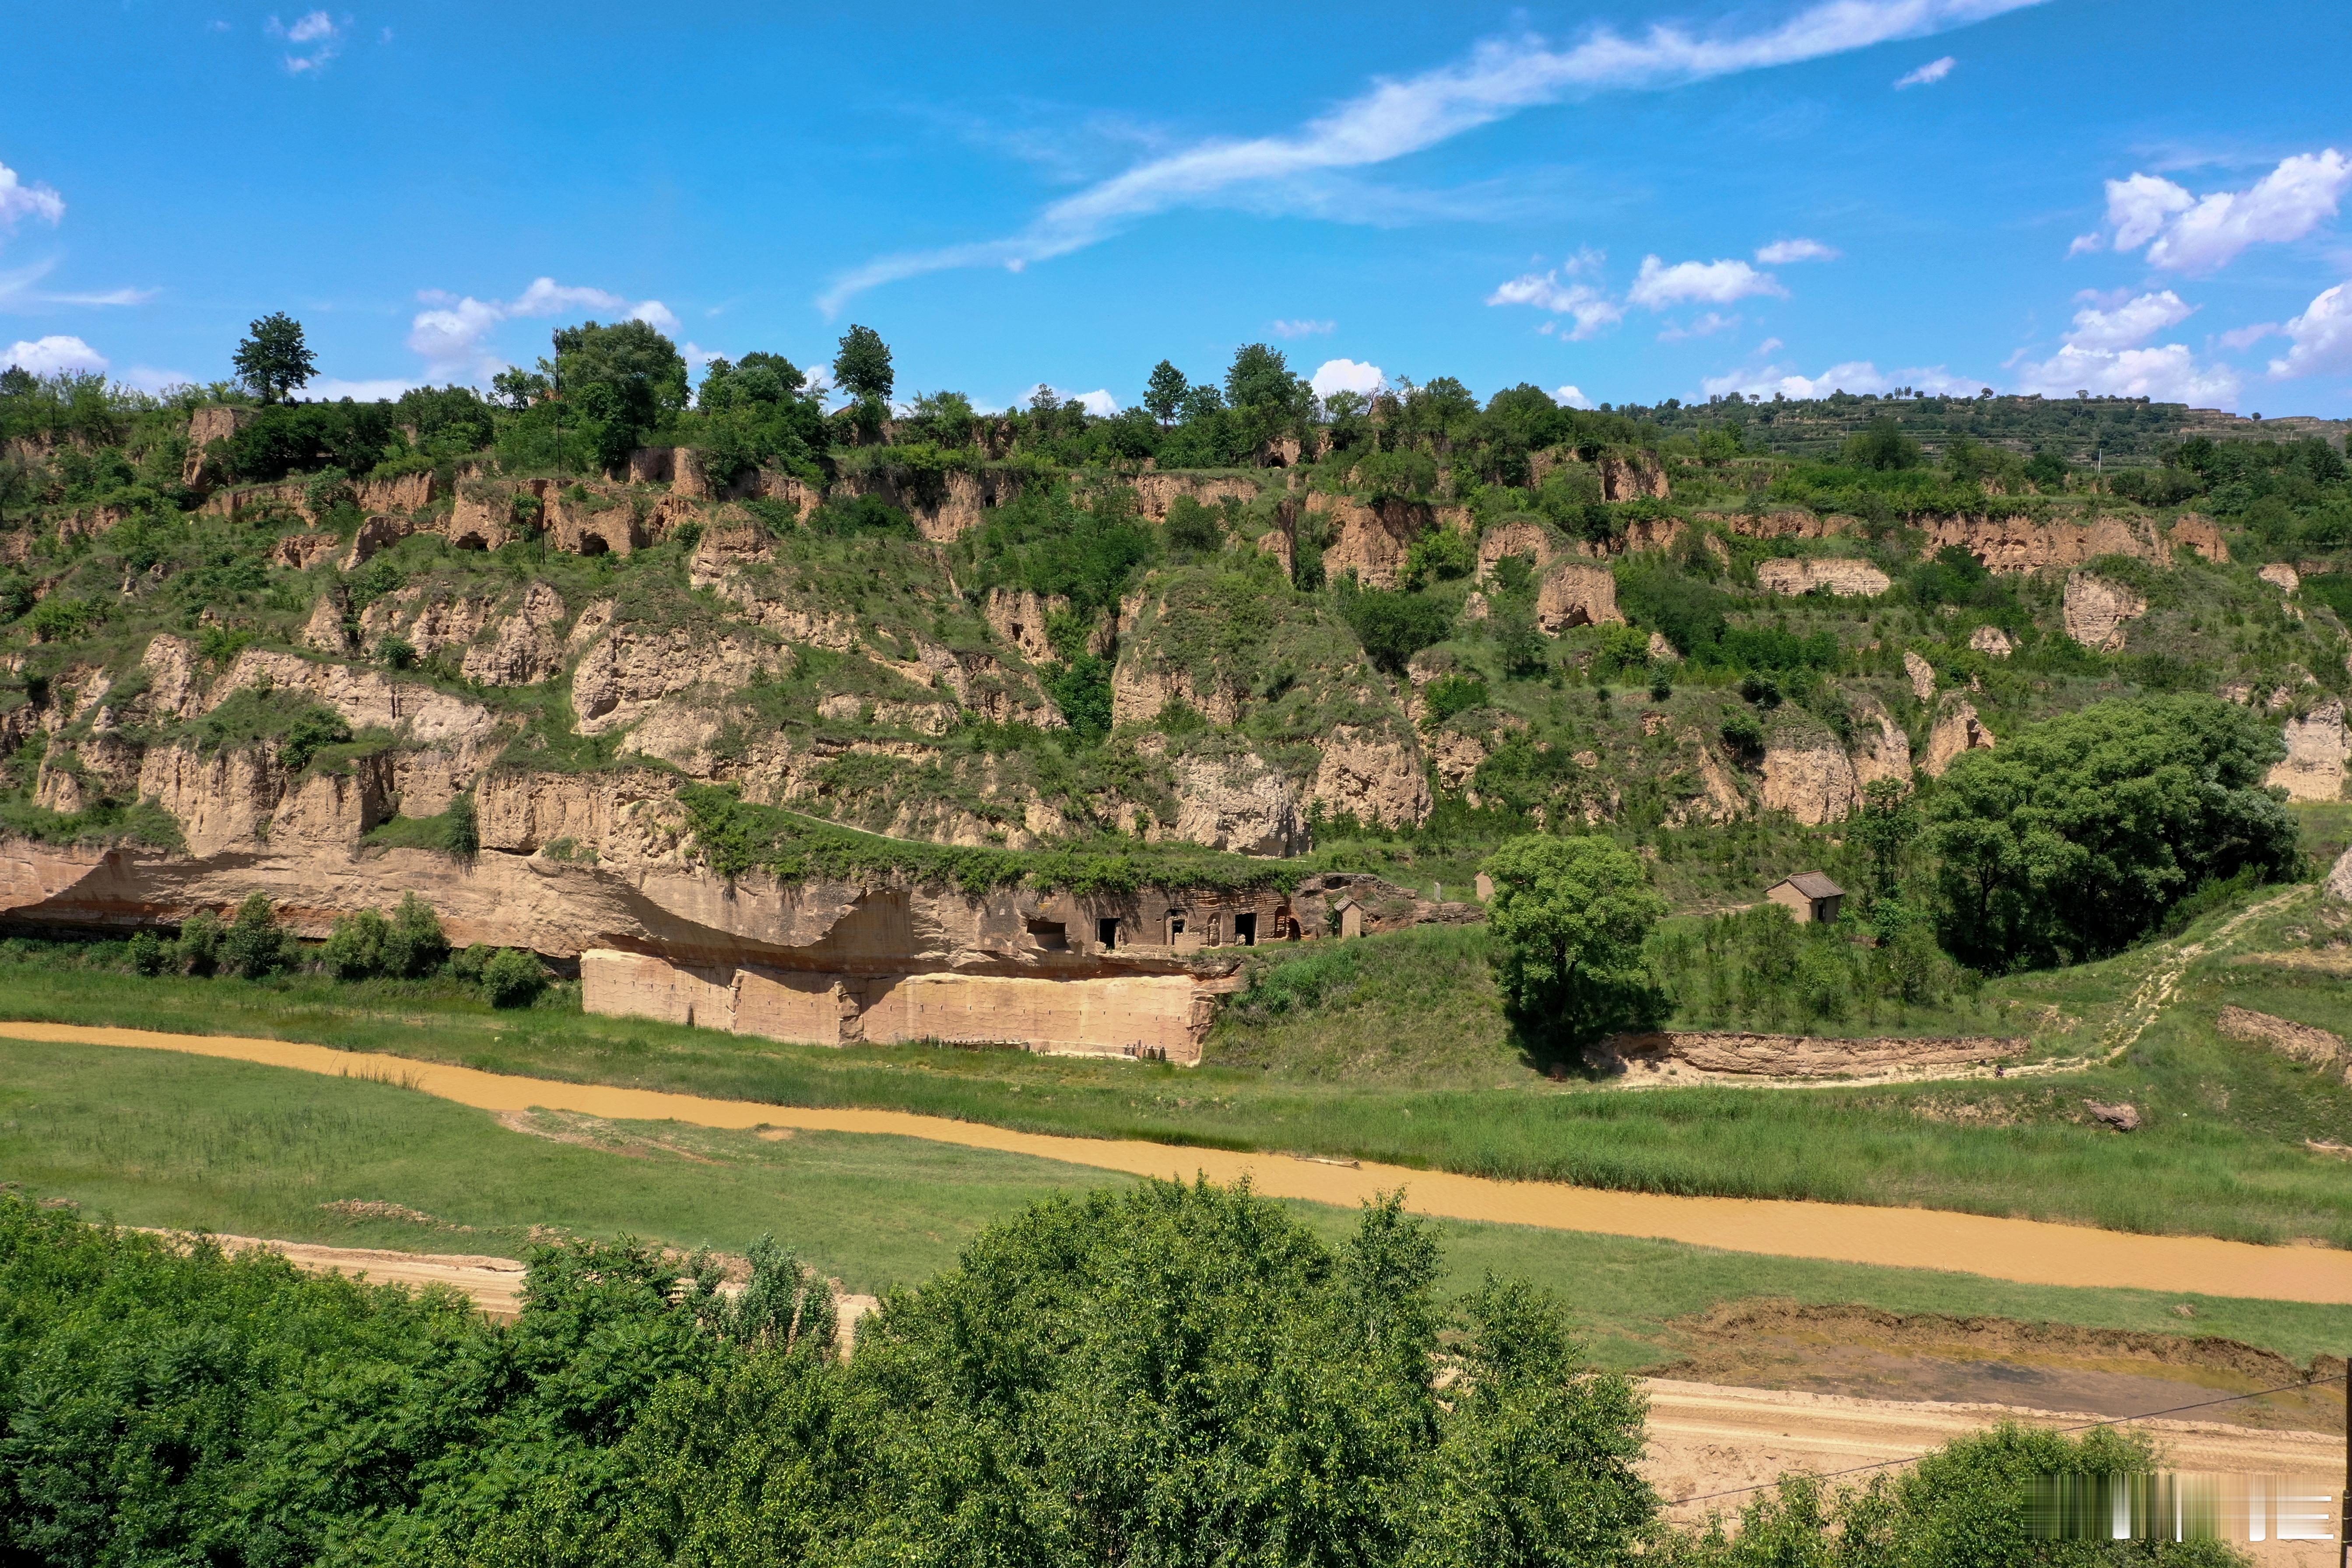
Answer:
(1383, 1065)
(158, 1139)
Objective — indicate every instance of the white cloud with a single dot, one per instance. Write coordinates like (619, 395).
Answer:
(1345, 375)
(546, 297)
(2187, 232)
(318, 36)
(332, 389)
(1781, 252)
(1289, 173)
(1658, 286)
(1928, 75)
(1768, 346)
(2168, 374)
(20, 201)
(2322, 334)
(657, 316)
(1593, 308)
(2132, 321)
(107, 297)
(1712, 323)
(2248, 336)
(1571, 397)
(454, 334)
(1854, 375)
(44, 356)
(1302, 329)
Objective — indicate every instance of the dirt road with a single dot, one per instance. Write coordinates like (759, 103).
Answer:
(2027, 1251)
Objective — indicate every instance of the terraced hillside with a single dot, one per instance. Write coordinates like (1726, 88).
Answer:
(593, 667)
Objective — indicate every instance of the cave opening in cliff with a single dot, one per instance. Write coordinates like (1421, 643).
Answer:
(1107, 932)
(593, 544)
(1052, 936)
(1245, 929)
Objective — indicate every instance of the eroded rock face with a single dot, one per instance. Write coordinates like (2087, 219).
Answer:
(1153, 492)
(2339, 877)
(2315, 751)
(1625, 478)
(1843, 576)
(2016, 544)
(2191, 531)
(1809, 778)
(364, 698)
(213, 422)
(1574, 594)
(1530, 540)
(1957, 730)
(325, 629)
(1374, 539)
(1018, 616)
(2096, 610)
(623, 674)
(1237, 804)
(2282, 576)
(1372, 774)
(524, 650)
(1991, 640)
(1922, 674)
(1881, 749)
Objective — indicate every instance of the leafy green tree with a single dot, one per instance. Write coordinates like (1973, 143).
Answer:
(1573, 913)
(273, 360)
(620, 381)
(1443, 554)
(1393, 624)
(1163, 394)
(862, 367)
(198, 945)
(23, 481)
(2074, 837)
(354, 949)
(1882, 444)
(254, 944)
(511, 977)
(412, 943)
(1885, 828)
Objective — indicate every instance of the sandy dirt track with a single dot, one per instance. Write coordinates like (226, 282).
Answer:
(2026, 1251)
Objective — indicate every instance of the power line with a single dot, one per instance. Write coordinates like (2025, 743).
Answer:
(2079, 1426)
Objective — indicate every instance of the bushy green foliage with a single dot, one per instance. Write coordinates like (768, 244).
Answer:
(302, 438)
(1394, 624)
(509, 977)
(1966, 1505)
(1048, 542)
(2075, 837)
(274, 359)
(1575, 913)
(1186, 1370)
(254, 944)
(736, 836)
(1451, 694)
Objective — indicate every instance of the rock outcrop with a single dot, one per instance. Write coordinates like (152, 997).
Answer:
(1922, 674)
(2300, 1042)
(522, 648)
(1957, 730)
(1372, 775)
(2315, 753)
(2096, 610)
(1237, 803)
(1991, 641)
(1881, 749)
(1791, 1056)
(1530, 540)
(1843, 576)
(1806, 776)
(1018, 616)
(1573, 594)
(2282, 576)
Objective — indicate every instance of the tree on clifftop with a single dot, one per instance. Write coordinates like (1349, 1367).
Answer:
(274, 361)
(862, 368)
(1575, 913)
(1163, 394)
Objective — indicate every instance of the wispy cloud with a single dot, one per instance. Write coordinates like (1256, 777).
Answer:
(1704, 326)
(316, 38)
(1301, 329)
(2185, 233)
(20, 200)
(1781, 252)
(1395, 118)
(1928, 75)
(1853, 375)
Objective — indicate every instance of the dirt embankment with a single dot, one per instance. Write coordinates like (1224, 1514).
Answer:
(1697, 1052)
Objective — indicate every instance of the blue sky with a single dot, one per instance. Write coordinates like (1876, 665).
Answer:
(1633, 202)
